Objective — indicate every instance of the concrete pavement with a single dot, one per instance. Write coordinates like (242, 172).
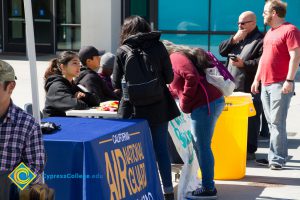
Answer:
(259, 182)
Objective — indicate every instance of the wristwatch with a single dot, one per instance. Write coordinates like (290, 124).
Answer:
(291, 81)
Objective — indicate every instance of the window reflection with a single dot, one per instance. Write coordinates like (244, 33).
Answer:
(68, 24)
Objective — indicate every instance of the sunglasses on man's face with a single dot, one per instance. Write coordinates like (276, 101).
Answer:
(243, 23)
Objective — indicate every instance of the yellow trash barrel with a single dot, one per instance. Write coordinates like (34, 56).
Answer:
(229, 143)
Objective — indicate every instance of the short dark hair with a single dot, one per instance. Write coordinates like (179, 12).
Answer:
(278, 6)
(133, 25)
(6, 83)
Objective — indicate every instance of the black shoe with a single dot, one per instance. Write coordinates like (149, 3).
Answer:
(263, 162)
(202, 193)
(264, 134)
(169, 196)
(276, 166)
(251, 156)
(263, 139)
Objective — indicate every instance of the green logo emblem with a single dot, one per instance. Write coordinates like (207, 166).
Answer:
(21, 176)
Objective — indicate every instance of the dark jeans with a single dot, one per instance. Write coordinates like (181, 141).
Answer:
(254, 125)
(159, 134)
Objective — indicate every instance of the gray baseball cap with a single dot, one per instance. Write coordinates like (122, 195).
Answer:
(7, 73)
(107, 60)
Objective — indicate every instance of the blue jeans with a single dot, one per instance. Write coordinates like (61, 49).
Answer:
(160, 142)
(276, 105)
(203, 125)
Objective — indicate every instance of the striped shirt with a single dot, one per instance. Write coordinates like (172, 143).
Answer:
(21, 141)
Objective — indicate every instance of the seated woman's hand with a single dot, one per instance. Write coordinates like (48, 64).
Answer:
(79, 95)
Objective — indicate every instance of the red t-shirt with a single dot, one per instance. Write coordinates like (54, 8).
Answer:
(275, 58)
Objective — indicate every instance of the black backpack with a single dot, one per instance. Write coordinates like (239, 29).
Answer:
(141, 84)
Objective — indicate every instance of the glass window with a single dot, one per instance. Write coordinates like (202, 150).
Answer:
(183, 16)
(68, 11)
(293, 14)
(215, 41)
(68, 25)
(187, 39)
(140, 7)
(68, 38)
(42, 18)
(16, 22)
(225, 14)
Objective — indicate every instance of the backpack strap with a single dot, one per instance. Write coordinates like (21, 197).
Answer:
(206, 95)
(129, 49)
(203, 88)
(222, 69)
(126, 48)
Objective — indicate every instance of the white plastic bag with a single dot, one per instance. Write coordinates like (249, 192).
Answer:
(214, 77)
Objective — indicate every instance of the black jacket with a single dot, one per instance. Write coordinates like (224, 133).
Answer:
(94, 83)
(156, 113)
(250, 51)
(60, 97)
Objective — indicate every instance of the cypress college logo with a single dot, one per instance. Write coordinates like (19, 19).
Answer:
(21, 176)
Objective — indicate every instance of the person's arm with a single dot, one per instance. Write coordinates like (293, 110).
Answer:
(185, 69)
(250, 65)
(255, 84)
(61, 98)
(293, 67)
(34, 152)
(226, 47)
(118, 71)
(166, 65)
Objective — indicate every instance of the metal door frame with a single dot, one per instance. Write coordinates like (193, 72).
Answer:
(21, 47)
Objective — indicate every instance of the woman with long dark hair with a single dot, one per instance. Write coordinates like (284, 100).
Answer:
(61, 92)
(136, 33)
(205, 103)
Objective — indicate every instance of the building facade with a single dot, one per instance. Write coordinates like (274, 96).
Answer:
(68, 24)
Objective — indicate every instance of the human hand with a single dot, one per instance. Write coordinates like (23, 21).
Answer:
(117, 91)
(238, 62)
(79, 95)
(254, 87)
(240, 35)
(287, 87)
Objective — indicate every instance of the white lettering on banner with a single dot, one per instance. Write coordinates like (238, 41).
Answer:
(121, 137)
(180, 131)
(146, 197)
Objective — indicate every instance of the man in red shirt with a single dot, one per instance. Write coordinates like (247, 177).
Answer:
(276, 71)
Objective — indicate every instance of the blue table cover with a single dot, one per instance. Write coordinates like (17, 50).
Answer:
(101, 159)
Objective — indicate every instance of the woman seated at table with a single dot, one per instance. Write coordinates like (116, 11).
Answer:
(61, 92)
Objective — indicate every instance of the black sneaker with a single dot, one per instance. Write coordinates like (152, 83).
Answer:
(275, 166)
(202, 193)
(263, 139)
(262, 162)
(169, 196)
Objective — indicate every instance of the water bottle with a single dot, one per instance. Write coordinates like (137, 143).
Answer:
(124, 90)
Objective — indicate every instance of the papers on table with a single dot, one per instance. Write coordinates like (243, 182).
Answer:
(92, 113)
